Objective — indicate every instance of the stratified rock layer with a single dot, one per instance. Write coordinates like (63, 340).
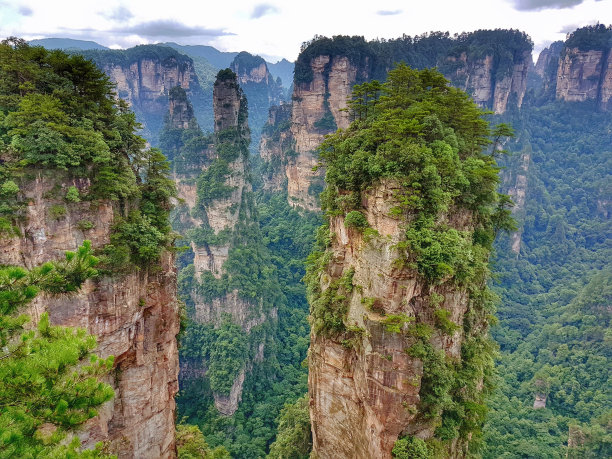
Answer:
(134, 316)
(364, 387)
(585, 75)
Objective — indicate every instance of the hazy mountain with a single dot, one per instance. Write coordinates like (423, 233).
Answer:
(68, 44)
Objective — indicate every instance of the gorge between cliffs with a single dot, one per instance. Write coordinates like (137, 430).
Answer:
(234, 265)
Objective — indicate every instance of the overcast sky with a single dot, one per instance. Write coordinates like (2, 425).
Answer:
(275, 28)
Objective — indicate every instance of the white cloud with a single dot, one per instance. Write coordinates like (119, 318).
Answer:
(280, 34)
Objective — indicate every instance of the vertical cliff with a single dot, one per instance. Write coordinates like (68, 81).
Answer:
(490, 84)
(92, 179)
(399, 355)
(144, 75)
(585, 67)
(260, 88)
(491, 66)
(546, 68)
(229, 287)
(276, 147)
(134, 315)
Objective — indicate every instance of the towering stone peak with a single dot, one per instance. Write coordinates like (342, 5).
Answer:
(218, 219)
(229, 102)
(250, 69)
(94, 180)
(260, 88)
(585, 67)
(399, 352)
(144, 76)
(276, 146)
(180, 110)
(548, 59)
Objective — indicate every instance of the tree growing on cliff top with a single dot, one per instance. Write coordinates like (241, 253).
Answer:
(47, 388)
(430, 141)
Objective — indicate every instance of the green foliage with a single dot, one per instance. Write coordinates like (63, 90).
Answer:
(190, 444)
(73, 194)
(590, 38)
(355, 219)
(394, 323)
(138, 238)
(288, 235)
(327, 123)
(553, 323)
(47, 389)
(422, 51)
(58, 112)
(410, 447)
(57, 211)
(294, 438)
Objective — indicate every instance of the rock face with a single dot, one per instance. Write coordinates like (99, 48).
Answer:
(276, 147)
(546, 68)
(488, 86)
(261, 90)
(219, 208)
(317, 110)
(585, 75)
(319, 101)
(134, 316)
(144, 76)
(364, 385)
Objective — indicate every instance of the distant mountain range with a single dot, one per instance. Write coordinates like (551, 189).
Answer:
(67, 44)
(217, 59)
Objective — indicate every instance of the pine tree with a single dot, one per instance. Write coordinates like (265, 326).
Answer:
(47, 386)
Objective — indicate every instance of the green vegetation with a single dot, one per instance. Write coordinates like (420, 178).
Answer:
(430, 50)
(47, 387)
(590, 38)
(190, 444)
(553, 329)
(73, 194)
(411, 448)
(288, 235)
(57, 112)
(430, 139)
(294, 438)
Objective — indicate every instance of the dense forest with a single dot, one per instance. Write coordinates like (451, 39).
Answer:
(554, 315)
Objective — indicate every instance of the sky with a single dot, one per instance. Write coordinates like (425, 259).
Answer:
(276, 28)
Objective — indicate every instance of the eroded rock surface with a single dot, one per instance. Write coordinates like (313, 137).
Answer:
(134, 317)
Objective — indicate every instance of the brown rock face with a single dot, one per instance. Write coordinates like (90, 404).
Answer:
(276, 146)
(363, 384)
(134, 316)
(325, 95)
(145, 77)
(226, 99)
(478, 77)
(585, 75)
(546, 67)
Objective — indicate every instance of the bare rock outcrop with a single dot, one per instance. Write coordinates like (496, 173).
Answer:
(134, 317)
(318, 109)
(585, 67)
(276, 147)
(365, 384)
(585, 75)
(144, 76)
